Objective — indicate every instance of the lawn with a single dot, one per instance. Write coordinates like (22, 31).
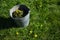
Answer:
(44, 20)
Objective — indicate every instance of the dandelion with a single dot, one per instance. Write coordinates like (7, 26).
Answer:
(35, 35)
(17, 33)
(30, 31)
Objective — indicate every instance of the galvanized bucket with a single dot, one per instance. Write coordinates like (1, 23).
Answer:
(24, 21)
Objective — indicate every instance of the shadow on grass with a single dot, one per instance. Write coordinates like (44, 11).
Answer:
(58, 3)
(6, 23)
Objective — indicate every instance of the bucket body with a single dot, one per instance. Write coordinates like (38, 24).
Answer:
(23, 21)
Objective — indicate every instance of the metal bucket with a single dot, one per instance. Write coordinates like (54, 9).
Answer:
(24, 21)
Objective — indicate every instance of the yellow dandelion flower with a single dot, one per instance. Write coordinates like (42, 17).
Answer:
(35, 35)
(30, 31)
(17, 33)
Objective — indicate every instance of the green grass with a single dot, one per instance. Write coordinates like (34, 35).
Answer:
(44, 20)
